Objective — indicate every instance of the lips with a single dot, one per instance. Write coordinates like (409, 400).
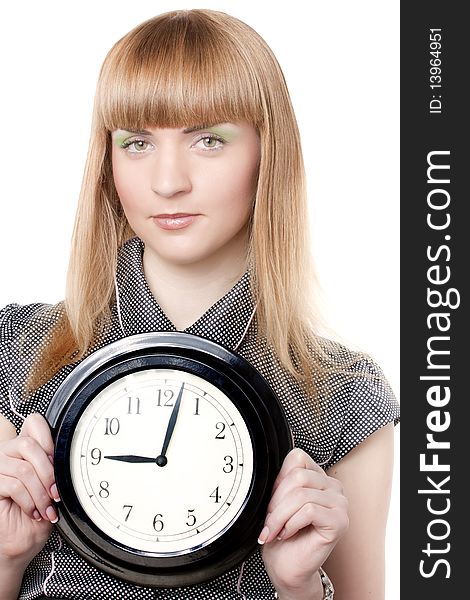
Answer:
(175, 220)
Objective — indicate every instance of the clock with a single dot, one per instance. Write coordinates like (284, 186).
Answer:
(167, 446)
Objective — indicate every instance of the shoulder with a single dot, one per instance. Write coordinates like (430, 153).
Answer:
(17, 313)
(13, 319)
(24, 329)
(16, 319)
(360, 398)
(350, 367)
(350, 399)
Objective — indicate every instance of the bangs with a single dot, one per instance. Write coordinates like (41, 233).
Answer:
(181, 69)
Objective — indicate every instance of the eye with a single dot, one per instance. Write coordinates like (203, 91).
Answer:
(210, 142)
(135, 146)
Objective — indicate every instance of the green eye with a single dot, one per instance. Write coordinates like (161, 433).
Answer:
(137, 145)
(210, 142)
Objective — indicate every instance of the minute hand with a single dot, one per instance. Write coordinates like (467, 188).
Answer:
(162, 459)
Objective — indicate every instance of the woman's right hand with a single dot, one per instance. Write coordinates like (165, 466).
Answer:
(27, 491)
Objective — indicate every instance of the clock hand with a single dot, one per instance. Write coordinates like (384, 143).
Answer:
(131, 458)
(162, 459)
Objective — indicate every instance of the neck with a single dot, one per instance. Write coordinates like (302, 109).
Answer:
(187, 291)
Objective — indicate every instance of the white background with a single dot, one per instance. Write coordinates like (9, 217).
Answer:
(341, 63)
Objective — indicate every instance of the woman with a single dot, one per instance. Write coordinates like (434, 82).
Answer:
(192, 218)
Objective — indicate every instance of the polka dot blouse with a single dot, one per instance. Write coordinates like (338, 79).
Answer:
(355, 402)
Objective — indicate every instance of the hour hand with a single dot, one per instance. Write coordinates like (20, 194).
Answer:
(132, 458)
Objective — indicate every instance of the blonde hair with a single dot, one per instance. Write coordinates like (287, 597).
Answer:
(179, 69)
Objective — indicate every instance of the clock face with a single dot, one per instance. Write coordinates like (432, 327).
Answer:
(166, 450)
(166, 506)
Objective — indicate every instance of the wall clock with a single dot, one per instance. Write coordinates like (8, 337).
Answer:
(166, 449)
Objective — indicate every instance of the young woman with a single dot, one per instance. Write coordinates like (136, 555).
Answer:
(192, 217)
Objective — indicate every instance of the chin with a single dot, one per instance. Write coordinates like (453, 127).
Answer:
(183, 259)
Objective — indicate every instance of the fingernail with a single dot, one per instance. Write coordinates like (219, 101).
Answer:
(54, 493)
(282, 533)
(51, 514)
(37, 516)
(263, 536)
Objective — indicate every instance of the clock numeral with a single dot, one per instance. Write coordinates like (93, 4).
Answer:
(215, 494)
(133, 406)
(112, 426)
(130, 507)
(95, 456)
(197, 406)
(228, 468)
(191, 520)
(221, 428)
(158, 523)
(167, 399)
(104, 491)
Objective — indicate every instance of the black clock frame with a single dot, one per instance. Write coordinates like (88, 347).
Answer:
(261, 410)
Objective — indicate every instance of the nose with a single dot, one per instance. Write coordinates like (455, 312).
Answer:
(170, 175)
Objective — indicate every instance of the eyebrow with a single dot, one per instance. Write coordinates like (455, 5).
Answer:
(187, 130)
(199, 127)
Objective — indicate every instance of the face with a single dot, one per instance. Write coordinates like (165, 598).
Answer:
(188, 193)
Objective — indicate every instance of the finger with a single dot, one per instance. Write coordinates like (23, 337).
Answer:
(294, 502)
(13, 488)
(28, 449)
(297, 478)
(36, 427)
(296, 458)
(330, 523)
(24, 471)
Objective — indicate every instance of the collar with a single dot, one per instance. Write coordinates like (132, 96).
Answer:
(225, 322)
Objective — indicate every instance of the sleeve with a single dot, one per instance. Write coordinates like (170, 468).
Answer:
(18, 335)
(7, 315)
(371, 405)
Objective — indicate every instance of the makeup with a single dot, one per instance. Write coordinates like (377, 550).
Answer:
(227, 131)
(120, 136)
(171, 222)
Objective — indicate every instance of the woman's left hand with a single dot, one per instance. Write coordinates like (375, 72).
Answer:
(309, 513)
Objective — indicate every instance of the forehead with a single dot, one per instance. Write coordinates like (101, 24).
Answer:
(225, 128)
(163, 90)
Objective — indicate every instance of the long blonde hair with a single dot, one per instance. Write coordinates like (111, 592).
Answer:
(179, 69)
